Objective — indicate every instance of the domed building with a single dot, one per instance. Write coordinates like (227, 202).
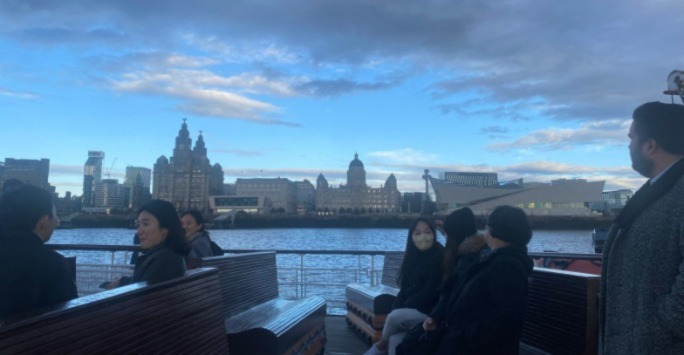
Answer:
(356, 196)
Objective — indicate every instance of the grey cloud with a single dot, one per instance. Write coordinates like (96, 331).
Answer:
(338, 86)
(495, 130)
(585, 60)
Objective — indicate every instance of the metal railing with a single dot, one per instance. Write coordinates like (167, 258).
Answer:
(301, 273)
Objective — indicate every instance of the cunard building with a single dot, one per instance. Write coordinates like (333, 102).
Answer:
(356, 196)
(187, 179)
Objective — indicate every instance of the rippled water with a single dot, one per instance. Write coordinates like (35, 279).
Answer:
(570, 241)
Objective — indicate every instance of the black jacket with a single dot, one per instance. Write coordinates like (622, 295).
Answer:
(31, 275)
(487, 312)
(156, 265)
(469, 252)
(419, 285)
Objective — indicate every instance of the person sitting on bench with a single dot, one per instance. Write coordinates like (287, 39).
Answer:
(163, 245)
(419, 278)
(31, 275)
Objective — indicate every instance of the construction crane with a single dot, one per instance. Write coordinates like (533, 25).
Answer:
(109, 171)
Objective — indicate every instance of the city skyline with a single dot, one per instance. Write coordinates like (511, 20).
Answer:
(293, 89)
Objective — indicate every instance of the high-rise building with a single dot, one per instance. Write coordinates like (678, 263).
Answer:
(138, 180)
(356, 196)
(29, 171)
(186, 179)
(92, 174)
(110, 194)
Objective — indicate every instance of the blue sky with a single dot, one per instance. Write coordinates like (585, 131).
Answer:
(533, 89)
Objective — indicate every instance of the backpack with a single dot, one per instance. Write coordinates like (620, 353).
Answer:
(215, 249)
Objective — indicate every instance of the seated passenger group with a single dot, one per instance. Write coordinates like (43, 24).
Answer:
(476, 304)
(467, 298)
(33, 276)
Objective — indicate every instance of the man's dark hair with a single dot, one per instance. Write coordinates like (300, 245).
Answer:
(663, 123)
(21, 208)
(11, 184)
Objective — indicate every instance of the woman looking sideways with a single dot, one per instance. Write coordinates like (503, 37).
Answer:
(196, 235)
(163, 245)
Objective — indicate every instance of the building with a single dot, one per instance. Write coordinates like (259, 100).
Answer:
(412, 202)
(109, 194)
(306, 196)
(612, 202)
(29, 171)
(356, 196)
(281, 192)
(138, 180)
(92, 174)
(559, 198)
(470, 178)
(186, 179)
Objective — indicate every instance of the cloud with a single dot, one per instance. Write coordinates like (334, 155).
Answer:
(17, 94)
(239, 152)
(403, 157)
(203, 93)
(58, 169)
(338, 87)
(595, 134)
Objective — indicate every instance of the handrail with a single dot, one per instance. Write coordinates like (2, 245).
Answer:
(104, 247)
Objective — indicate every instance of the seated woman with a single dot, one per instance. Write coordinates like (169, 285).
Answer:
(487, 313)
(463, 248)
(419, 278)
(196, 235)
(163, 245)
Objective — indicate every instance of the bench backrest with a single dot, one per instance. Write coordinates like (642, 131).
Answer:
(390, 269)
(246, 279)
(562, 312)
(182, 315)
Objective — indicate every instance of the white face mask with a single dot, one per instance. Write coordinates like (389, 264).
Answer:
(423, 241)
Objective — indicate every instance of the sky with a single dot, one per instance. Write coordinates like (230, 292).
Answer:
(538, 90)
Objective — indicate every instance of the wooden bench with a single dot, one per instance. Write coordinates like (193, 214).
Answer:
(562, 312)
(368, 306)
(257, 321)
(182, 315)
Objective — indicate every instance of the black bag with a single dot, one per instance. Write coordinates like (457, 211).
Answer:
(418, 341)
(215, 249)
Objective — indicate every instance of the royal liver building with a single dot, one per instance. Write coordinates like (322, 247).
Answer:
(188, 178)
(356, 196)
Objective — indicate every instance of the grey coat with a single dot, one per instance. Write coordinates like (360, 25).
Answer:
(642, 281)
(201, 246)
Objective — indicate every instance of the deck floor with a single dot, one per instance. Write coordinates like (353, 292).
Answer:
(341, 339)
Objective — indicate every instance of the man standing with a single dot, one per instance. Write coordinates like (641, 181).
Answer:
(642, 279)
(31, 275)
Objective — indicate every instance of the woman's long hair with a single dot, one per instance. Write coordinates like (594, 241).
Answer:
(459, 225)
(411, 253)
(168, 218)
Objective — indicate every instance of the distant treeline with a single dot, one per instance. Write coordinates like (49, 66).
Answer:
(398, 221)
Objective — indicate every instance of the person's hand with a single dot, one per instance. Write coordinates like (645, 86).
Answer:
(113, 284)
(429, 324)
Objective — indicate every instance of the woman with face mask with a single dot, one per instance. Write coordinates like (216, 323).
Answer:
(419, 278)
